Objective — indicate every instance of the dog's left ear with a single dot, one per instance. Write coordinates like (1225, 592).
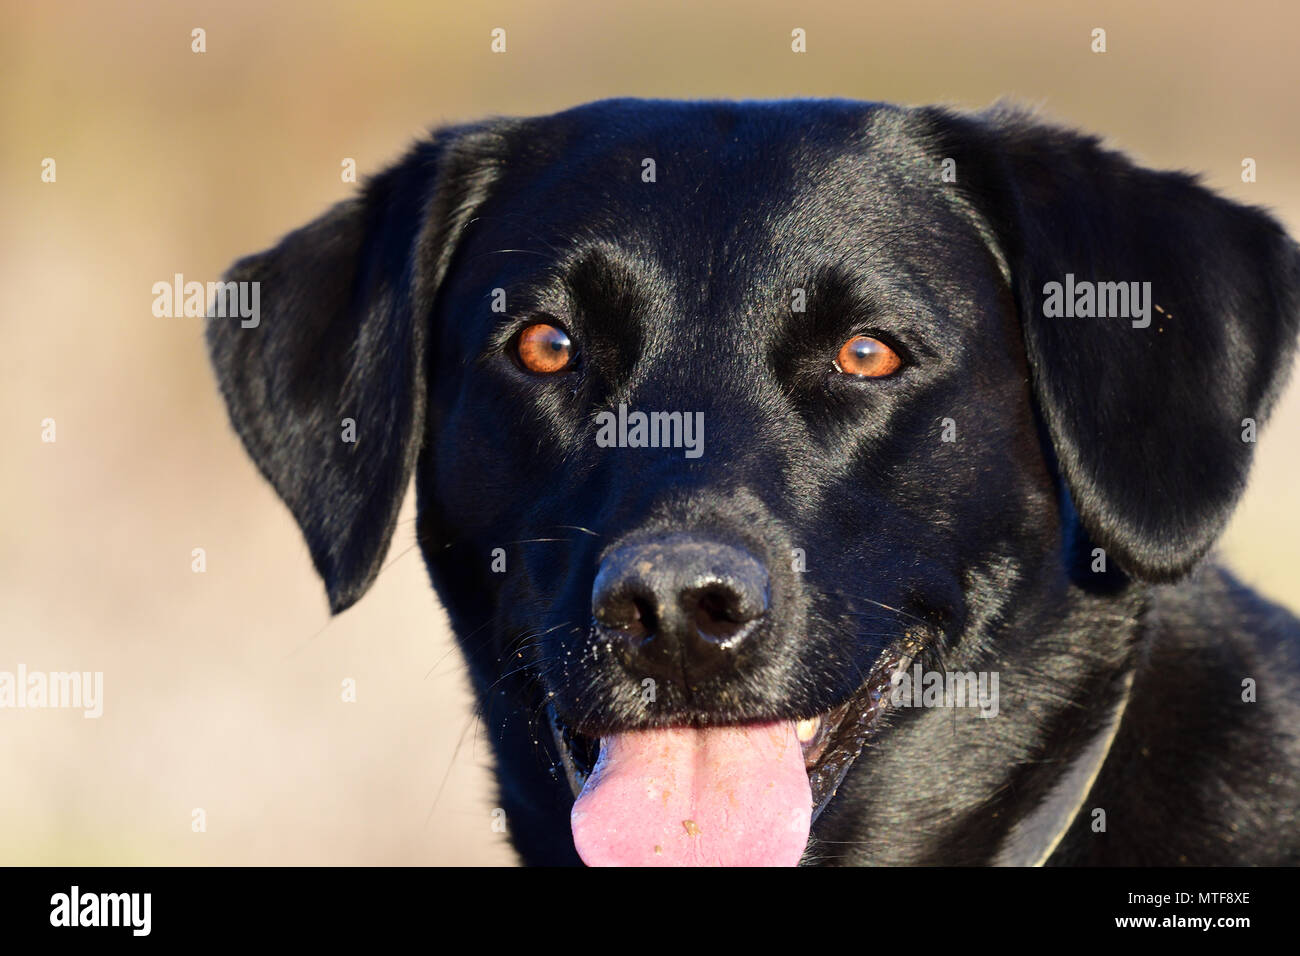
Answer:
(1153, 424)
(325, 382)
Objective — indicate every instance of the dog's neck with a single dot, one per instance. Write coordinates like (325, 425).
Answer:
(1035, 837)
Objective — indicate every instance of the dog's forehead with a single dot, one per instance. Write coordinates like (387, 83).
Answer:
(694, 183)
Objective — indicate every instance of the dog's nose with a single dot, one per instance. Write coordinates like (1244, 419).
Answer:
(680, 602)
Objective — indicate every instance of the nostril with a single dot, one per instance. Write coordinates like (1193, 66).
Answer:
(719, 614)
(642, 622)
(631, 615)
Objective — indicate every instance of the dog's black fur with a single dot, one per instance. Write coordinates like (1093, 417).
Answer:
(1071, 435)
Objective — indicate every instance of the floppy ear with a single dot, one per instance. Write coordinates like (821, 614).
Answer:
(1147, 421)
(326, 385)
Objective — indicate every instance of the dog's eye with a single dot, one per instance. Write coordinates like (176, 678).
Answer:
(544, 349)
(866, 357)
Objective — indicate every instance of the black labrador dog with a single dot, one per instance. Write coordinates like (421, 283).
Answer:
(807, 481)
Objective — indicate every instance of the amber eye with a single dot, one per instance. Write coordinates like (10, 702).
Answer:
(866, 357)
(544, 349)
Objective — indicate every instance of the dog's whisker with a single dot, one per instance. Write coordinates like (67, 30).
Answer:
(460, 742)
(573, 527)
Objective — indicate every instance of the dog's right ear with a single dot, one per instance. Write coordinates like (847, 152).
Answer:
(325, 381)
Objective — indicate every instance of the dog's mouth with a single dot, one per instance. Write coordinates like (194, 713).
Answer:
(729, 795)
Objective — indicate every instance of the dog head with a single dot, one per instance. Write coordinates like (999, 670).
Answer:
(722, 415)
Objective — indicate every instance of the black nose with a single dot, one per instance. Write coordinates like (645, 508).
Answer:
(680, 602)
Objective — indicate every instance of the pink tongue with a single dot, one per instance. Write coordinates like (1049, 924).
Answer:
(722, 796)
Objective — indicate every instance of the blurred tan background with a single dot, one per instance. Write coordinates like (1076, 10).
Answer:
(223, 688)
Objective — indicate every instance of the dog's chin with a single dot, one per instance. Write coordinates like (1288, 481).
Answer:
(751, 773)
